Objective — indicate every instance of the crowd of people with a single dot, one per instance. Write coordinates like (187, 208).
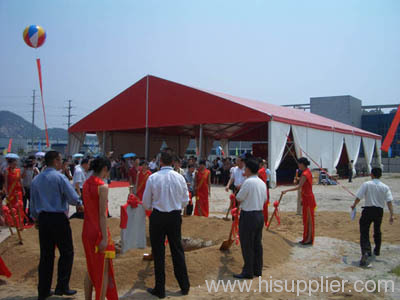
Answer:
(45, 188)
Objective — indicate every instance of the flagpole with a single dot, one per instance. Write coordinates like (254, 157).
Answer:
(146, 149)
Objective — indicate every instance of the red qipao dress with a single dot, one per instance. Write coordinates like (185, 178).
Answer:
(201, 208)
(262, 174)
(309, 205)
(14, 191)
(3, 269)
(142, 180)
(91, 238)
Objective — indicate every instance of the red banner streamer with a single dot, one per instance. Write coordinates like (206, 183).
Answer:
(392, 131)
(41, 92)
(9, 145)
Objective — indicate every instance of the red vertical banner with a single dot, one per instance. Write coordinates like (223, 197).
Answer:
(9, 146)
(392, 131)
(41, 93)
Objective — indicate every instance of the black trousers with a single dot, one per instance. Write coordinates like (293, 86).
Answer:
(350, 175)
(168, 224)
(371, 214)
(251, 225)
(54, 230)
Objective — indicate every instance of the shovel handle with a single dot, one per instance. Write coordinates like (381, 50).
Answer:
(270, 219)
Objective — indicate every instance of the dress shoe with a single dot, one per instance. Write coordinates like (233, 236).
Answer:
(364, 260)
(242, 276)
(377, 252)
(185, 292)
(48, 295)
(156, 293)
(67, 292)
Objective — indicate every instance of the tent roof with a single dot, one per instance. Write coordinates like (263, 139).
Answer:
(173, 106)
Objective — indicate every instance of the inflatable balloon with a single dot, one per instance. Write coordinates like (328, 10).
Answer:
(34, 36)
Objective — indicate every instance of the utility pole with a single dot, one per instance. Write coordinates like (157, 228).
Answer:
(69, 108)
(33, 117)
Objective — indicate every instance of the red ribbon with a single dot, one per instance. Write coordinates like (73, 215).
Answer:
(39, 67)
(235, 224)
(134, 201)
(276, 212)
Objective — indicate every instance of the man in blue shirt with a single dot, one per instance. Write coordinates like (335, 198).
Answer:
(51, 195)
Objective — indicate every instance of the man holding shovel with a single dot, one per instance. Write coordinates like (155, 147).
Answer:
(252, 196)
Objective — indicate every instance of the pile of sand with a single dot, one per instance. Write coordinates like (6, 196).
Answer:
(131, 271)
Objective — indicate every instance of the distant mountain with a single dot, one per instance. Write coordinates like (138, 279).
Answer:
(14, 126)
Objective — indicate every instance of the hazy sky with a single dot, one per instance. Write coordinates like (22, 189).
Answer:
(281, 52)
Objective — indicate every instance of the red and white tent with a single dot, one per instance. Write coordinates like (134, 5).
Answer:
(176, 113)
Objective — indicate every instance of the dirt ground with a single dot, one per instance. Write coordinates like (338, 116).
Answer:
(133, 274)
(335, 253)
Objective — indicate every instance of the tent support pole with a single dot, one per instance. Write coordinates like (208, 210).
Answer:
(104, 143)
(201, 142)
(147, 138)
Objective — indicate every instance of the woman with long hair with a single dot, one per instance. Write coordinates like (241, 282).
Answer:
(308, 201)
(96, 237)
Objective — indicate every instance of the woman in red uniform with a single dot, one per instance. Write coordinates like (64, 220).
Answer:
(14, 190)
(99, 247)
(142, 175)
(203, 189)
(308, 201)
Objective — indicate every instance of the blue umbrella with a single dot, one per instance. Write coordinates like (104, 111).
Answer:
(129, 155)
(12, 155)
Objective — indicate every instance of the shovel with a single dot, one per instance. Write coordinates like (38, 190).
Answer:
(273, 214)
(228, 243)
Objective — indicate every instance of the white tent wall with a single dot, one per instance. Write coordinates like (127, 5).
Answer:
(353, 144)
(300, 137)
(369, 148)
(277, 139)
(378, 146)
(178, 143)
(318, 146)
(75, 142)
(338, 142)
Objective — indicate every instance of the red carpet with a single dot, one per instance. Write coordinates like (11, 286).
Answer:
(118, 184)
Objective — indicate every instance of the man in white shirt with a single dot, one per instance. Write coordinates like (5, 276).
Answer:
(81, 173)
(167, 194)
(376, 194)
(251, 196)
(237, 176)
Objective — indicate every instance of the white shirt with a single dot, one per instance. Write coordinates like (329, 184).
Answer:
(375, 193)
(166, 190)
(238, 176)
(252, 194)
(152, 165)
(80, 176)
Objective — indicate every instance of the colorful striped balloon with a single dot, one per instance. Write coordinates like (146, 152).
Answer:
(34, 36)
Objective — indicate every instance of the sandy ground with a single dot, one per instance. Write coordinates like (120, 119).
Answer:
(335, 254)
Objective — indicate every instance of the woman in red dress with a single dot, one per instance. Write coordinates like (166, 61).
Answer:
(96, 237)
(202, 187)
(14, 190)
(142, 176)
(308, 201)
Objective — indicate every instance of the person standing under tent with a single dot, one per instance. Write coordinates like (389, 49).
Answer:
(141, 180)
(308, 201)
(202, 189)
(351, 167)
